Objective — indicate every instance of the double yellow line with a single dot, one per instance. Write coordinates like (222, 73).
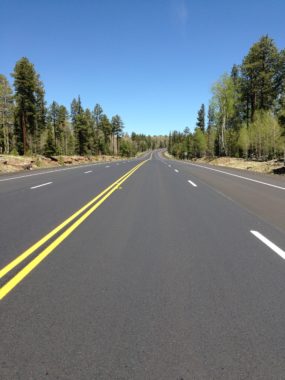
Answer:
(95, 203)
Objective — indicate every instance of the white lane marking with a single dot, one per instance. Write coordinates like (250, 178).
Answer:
(269, 244)
(169, 166)
(107, 166)
(192, 183)
(176, 171)
(44, 184)
(89, 171)
(238, 176)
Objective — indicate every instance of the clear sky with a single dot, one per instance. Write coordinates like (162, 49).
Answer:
(151, 61)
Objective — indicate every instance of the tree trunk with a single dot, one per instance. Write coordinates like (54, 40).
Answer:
(223, 135)
(117, 145)
(23, 126)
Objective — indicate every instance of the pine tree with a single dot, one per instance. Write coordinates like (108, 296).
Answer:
(201, 118)
(6, 115)
(40, 114)
(106, 127)
(259, 68)
(80, 127)
(97, 113)
(29, 96)
(211, 117)
(63, 129)
(186, 131)
(117, 130)
(53, 119)
(49, 148)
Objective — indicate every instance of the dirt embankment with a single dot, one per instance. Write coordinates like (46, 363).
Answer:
(268, 167)
(9, 164)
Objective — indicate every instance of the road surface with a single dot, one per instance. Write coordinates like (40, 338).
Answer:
(142, 269)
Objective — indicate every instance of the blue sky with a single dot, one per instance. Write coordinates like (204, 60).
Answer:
(151, 61)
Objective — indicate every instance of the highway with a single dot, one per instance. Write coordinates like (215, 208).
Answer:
(146, 268)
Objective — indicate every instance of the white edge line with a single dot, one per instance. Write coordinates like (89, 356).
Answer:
(192, 183)
(89, 171)
(238, 176)
(269, 244)
(44, 184)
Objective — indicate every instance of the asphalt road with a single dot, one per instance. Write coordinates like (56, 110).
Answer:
(176, 271)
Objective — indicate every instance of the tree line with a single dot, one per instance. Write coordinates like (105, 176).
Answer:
(29, 126)
(246, 114)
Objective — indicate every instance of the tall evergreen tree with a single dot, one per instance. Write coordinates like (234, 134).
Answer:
(53, 118)
(6, 115)
(29, 96)
(40, 114)
(106, 127)
(211, 117)
(64, 130)
(117, 130)
(201, 118)
(79, 125)
(50, 148)
(259, 68)
(98, 112)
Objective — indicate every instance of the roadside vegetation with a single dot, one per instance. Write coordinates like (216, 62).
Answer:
(30, 127)
(246, 115)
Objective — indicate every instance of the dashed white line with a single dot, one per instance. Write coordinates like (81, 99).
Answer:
(107, 166)
(89, 171)
(269, 244)
(176, 171)
(44, 184)
(238, 176)
(192, 183)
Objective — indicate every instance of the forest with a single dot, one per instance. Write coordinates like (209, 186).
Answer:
(28, 126)
(246, 114)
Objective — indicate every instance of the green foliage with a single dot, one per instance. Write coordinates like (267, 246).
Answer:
(106, 128)
(265, 136)
(27, 126)
(224, 102)
(211, 141)
(117, 127)
(14, 152)
(49, 148)
(246, 115)
(6, 116)
(199, 143)
(243, 140)
(201, 118)
(259, 73)
(30, 106)
(127, 149)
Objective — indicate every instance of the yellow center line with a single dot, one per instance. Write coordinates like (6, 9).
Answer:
(47, 237)
(42, 255)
